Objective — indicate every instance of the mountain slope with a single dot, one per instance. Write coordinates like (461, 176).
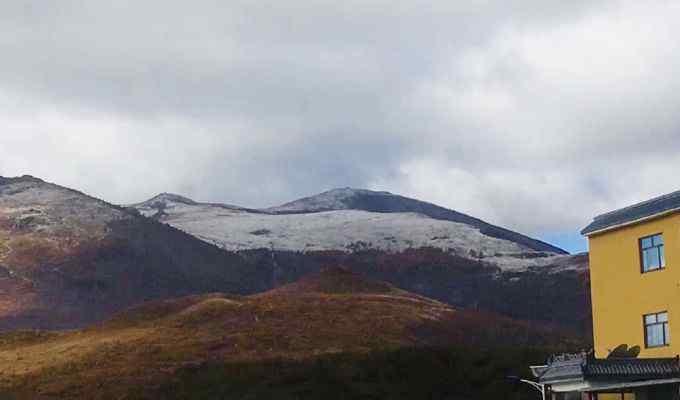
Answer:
(558, 294)
(139, 352)
(385, 202)
(351, 220)
(67, 259)
(453, 262)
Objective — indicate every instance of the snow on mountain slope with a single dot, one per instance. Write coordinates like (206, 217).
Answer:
(385, 202)
(156, 206)
(333, 230)
(327, 222)
(28, 203)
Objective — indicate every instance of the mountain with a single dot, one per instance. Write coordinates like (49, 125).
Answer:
(385, 202)
(414, 245)
(350, 220)
(275, 344)
(68, 259)
(158, 204)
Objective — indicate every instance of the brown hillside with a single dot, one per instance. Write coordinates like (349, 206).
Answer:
(330, 313)
(335, 280)
(68, 260)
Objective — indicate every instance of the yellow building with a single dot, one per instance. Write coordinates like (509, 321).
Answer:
(635, 287)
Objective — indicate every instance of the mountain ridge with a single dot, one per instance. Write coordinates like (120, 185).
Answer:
(348, 199)
(381, 201)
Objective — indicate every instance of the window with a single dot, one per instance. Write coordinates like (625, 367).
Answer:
(656, 330)
(651, 253)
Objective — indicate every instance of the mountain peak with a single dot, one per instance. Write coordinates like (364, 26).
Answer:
(350, 191)
(19, 179)
(334, 199)
(386, 202)
(170, 198)
(160, 205)
(157, 205)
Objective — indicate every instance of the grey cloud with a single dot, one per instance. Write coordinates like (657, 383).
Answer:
(533, 114)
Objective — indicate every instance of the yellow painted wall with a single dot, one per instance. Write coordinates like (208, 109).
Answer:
(615, 396)
(621, 294)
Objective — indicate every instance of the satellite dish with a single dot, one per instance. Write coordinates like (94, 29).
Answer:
(619, 352)
(634, 351)
(622, 351)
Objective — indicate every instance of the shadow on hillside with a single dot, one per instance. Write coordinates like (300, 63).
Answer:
(446, 373)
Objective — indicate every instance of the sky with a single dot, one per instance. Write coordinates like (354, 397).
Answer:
(534, 115)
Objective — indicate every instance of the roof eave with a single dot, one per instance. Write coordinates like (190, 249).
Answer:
(563, 380)
(536, 370)
(587, 233)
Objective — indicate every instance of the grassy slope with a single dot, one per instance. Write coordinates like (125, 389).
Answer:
(333, 331)
(561, 298)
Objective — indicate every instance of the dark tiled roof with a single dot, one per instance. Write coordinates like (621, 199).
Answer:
(583, 367)
(563, 370)
(635, 212)
(633, 367)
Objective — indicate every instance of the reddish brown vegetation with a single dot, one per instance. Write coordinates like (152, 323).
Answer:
(334, 280)
(333, 312)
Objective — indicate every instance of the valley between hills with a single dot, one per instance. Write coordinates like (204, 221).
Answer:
(345, 294)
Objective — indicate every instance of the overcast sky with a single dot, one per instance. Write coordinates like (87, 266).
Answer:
(535, 115)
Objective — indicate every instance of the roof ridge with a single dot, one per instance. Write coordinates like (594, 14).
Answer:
(642, 203)
(660, 205)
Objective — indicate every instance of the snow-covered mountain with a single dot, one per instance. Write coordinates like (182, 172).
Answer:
(349, 220)
(385, 202)
(68, 259)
